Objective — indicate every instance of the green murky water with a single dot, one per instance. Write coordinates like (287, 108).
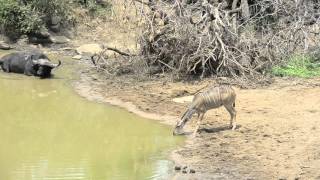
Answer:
(50, 133)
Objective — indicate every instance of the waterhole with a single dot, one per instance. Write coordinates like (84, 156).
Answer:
(49, 133)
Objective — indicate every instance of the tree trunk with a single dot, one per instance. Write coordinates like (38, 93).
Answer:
(234, 15)
(245, 9)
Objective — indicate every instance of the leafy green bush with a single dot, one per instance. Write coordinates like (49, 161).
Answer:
(16, 19)
(31, 16)
(299, 66)
(52, 8)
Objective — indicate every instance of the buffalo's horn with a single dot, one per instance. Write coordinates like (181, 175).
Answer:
(59, 63)
(46, 62)
(40, 61)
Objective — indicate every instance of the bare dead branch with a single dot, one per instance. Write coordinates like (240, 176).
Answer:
(237, 38)
(118, 51)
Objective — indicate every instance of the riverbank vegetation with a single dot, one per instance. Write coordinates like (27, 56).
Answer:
(30, 17)
(298, 66)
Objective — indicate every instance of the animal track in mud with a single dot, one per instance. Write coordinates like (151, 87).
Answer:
(312, 111)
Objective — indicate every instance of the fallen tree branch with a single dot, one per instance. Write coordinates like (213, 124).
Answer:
(117, 51)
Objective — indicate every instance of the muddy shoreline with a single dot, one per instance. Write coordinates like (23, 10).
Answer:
(217, 152)
(93, 92)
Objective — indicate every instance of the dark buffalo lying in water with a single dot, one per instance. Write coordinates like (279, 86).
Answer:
(28, 63)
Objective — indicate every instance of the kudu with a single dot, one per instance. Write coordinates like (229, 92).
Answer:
(214, 97)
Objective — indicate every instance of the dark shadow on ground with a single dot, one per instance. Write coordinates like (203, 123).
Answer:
(208, 130)
(216, 129)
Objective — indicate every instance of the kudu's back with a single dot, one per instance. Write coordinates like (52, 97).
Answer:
(215, 97)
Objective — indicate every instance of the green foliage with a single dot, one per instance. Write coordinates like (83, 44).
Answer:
(16, 19)
(53, 8)
(299, 66)
(30, 16)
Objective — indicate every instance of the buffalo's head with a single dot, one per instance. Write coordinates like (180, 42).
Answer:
(43, 67)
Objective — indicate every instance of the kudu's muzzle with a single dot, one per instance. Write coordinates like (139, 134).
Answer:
(177, 130)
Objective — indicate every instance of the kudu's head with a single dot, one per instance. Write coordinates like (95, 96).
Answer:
(179, 126)
(185, 118)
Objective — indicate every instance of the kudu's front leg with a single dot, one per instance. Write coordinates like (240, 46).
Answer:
(199, 120)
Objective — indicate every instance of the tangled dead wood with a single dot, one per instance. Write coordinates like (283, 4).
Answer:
(225, 37)
(112, 66)
(234, 38)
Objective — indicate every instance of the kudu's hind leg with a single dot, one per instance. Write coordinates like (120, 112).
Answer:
(233, 116)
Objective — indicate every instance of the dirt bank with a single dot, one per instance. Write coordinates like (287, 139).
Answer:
(278, 135)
